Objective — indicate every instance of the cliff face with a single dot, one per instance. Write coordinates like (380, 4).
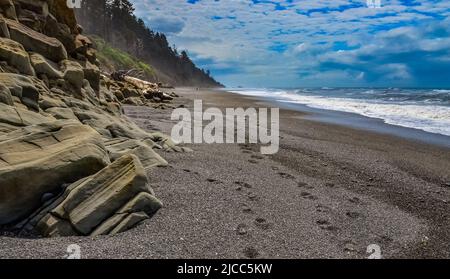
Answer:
(115, 23)
(70, 162)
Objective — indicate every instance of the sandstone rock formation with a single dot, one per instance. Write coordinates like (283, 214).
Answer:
(70, 162)
(39, 159)
(89, 206)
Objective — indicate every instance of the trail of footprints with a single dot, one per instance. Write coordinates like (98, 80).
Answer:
(244, 230)
(261, 223)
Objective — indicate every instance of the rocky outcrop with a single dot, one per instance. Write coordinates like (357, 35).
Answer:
(34, 41)
(50, 155)
(4, 31)
(15, 55)
(25, 89)
(99, 204)
(73, 73)
(70, 162)
(143, 149)
(42, 66)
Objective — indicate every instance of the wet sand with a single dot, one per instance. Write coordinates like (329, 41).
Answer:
(330, 192)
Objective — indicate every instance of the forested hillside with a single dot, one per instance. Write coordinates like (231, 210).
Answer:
(115, 22)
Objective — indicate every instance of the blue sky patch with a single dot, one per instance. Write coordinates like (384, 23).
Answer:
(292, 43)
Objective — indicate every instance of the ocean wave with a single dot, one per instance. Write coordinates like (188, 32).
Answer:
(427, 117)
(441, 91)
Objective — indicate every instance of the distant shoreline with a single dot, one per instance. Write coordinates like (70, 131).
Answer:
(354, 120)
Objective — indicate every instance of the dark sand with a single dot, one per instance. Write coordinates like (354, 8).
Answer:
(330, 192)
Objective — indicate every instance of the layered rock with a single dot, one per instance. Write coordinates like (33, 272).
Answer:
(15, 55)
(34, 41)
(70, 162)
(99, 204)
(50, 155)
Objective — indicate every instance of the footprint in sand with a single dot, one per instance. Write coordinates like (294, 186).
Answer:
(286, 175)
(323, 209)
(353, 214)
(242, 229)
(354, 200)
(246, 147)
(251, 253)
(309, 196)
(325, 225)
(257, 157)
(350, 247)
(262, 223)
(304, 185)
(252, 196)
(246, 208)
(212, 180)
(244, 184)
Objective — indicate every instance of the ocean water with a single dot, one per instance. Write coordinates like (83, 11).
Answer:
(423, 109)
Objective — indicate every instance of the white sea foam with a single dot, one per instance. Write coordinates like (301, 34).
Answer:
(441, 91)
(430, 118)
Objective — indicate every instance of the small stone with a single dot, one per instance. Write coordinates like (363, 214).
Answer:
(241, 229)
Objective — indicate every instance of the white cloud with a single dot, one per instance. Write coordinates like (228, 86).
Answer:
(245, 32)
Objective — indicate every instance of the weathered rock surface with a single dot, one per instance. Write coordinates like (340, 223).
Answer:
(34, 41)
(7, 8)
(143, 149)
(50, 155)
(43, 66)
(26, 89)
(4, 31)
(37, 6)
(71, 162)
(21, 117)
(120, 188)
(16, 56)
(73, 73)
(64, 14)
(5, 95)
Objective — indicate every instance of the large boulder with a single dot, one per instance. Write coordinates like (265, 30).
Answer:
(60, 31)
(39, 159)
(143, 149)
(26, 89)
(16, 56)
(73, 73)
(38, 6)
(34, 41)
(64, 14)
(92, 74)
(43, 66)
(119, 189)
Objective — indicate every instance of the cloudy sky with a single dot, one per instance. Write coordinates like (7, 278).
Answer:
(290, 43)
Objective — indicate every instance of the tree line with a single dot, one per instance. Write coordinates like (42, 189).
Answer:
(115, 21)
